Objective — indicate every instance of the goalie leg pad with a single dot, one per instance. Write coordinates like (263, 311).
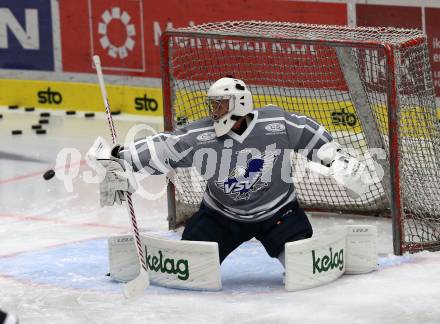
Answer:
(361, 249)
(315, 261)
(340, 250)
(171, 263)
(182, 264)
(123, 261)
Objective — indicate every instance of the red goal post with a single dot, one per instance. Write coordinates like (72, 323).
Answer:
(370, 87)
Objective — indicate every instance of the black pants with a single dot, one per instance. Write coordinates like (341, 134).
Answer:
(289, 224)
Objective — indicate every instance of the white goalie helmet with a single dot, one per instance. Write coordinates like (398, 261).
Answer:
(228, 99)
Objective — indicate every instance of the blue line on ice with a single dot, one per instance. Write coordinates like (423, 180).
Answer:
(84, 265)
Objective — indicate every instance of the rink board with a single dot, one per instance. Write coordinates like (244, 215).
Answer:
(81, 96)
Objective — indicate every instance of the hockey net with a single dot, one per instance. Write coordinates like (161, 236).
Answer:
(370, 87)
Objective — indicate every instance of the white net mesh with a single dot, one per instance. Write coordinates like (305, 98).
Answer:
(341, 77)
(306, 32)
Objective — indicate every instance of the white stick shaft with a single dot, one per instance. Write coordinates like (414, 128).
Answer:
(141, 283)
(97, 62)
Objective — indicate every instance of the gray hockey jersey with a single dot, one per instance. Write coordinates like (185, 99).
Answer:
(248, 175)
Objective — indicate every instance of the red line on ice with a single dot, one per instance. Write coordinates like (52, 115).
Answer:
(51, 246)
(35, 174)
(59, 221)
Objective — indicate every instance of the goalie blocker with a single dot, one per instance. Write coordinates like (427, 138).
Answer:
(195, 265)
(345, 169)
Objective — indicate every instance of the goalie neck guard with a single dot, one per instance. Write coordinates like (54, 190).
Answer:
(239, 99)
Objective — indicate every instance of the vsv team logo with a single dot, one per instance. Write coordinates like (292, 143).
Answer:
(117, 34)
(243, 181)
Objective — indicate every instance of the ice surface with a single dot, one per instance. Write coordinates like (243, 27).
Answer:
(53, 255)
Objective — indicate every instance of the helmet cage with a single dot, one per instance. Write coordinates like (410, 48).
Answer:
(216, 106)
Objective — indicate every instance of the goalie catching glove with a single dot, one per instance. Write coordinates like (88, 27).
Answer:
(342, 167)
(116, 175)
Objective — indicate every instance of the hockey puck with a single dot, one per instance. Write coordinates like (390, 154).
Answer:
(41, 131)
(89, 115)
(45, 114)
(17, 132)
(116, 112)
(43, 121)
(70, 112)
(13, 106)
(1, 116)
(36, 126)
(48, 174)
(29, 109)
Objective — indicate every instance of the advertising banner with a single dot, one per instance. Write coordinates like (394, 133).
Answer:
(80, 96)
(432, 21)
(26, 35)
(126, 34)
(116, 34)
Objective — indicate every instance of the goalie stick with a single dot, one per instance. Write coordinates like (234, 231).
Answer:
(141, 282)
